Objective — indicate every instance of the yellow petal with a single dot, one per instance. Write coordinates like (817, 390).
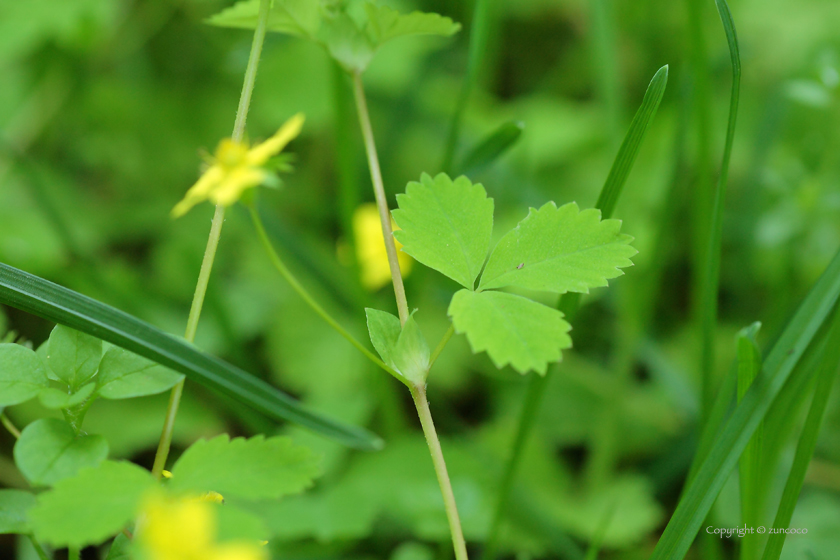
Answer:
(230, 189)
(370, 248)
(200, 191)
(260, 153)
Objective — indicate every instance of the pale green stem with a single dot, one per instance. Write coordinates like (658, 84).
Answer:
(39, 550)
(307, 297)
(381, 200)
(9, 426)
(422, 404)
(441, 345)
(213, 239)
(74, 553)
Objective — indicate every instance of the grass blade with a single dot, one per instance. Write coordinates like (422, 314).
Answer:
(711, 268)
(632, 142)
(569, 302)
(732, 439)
(35, 295)
(749, 467)
(491, 148)
(807, 441)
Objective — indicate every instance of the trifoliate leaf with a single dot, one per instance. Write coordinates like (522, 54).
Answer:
(92, 506)
(57, 398)
(124, 375)
(384, 329)
(385, 24)
(252, 469)
(446, 225)
(295, 17)
(559, 250)
(14, 505)
(511, 329)
(346, 42)
(22, 375)
(73, 356)
(49, 450)
(411, 353)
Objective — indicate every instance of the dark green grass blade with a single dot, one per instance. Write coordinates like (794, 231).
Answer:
(732, 439)
(807, 441)
(749, 466)
(42, 298)
(632, 142)
(711, 268)
(491, 148)
(569, 302)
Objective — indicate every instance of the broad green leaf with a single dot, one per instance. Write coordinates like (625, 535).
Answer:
(125, 375)
(92, 506)
(295, 17)
(49, 451)
(731, 440)
(492, 148)
(446, 225)
(411, 353)
(384, 329)
(73, 356)
(56, 398)
(236, 524)
(37, 296)
(559, 250)
(385, 24)
(511, 329)
(14, 505)
(252, 469)
(22, 375)
(346, 42)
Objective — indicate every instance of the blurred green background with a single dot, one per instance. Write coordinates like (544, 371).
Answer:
(107, 105)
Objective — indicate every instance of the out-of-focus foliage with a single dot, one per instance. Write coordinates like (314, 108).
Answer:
(107, 105)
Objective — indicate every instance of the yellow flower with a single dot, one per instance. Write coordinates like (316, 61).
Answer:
(236, 168)
(185, 529)
(370, 248)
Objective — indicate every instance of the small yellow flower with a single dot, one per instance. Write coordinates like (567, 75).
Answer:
(185, 529)
(370, 248)
(236, 168)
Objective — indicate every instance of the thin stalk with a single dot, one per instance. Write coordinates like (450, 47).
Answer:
(441, 345)
(9, 426)
(213, 240)
(422, 404)
(74, 553)
(479, 33)
(39, 550)
(307, 297)
(379, 193)
(602, 15)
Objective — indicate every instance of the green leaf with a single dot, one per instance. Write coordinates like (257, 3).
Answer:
(252, 469)
(384, 329)
(73, 356)
(492, 148)
(446, 225)
(731, 440)
(56, 398)
(120, 549)
(295, 17)
(626, 157)
(42, 298)
(22, 374)
(125, 375)
(49, 450)
(511, 329)
(749, 467)
(14, 505)
(559, 250)
(411, 353)
(92, 506)
(346, 42)
(385, 24)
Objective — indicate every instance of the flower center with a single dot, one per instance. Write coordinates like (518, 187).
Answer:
(231, 154)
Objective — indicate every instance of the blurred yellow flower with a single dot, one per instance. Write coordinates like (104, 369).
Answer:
(370, 248)
(236, 168)
(185, 529)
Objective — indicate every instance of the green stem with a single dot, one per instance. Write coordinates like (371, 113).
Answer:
(9, 426)
(39, 550)
(379, 193)
(307, 297)
(74, 553)
(422, 404)
(213, 239)
(441, 345)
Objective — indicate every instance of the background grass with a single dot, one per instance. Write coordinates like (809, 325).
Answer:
(105, 106)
